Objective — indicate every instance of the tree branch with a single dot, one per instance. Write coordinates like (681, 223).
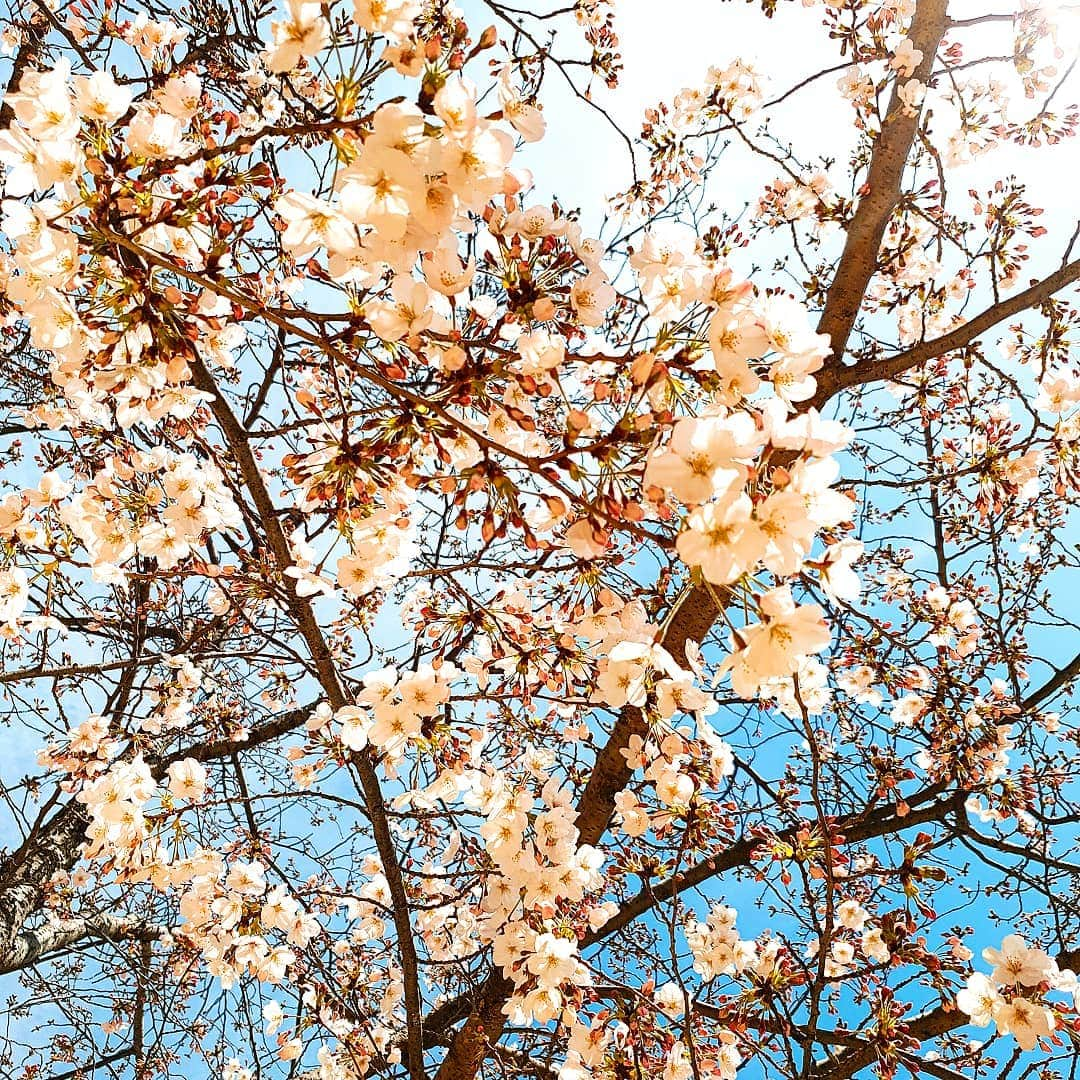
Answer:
(27, 56)
(1061, 677)
(30, 946)
(696, 610)
(326, 670)
(835, 380)
(859, 260)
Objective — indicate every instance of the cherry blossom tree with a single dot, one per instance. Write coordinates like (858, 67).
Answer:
(449, 632)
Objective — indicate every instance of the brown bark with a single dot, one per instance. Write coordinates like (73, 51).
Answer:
(835, 379)
(882, 190)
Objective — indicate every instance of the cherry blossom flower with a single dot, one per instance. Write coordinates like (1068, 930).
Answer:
(303, 33)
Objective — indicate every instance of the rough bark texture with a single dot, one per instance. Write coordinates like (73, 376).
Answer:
(25, 872)
(30, 946)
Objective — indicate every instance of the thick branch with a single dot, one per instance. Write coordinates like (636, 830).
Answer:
(835, 379)
(691, 619)
(308, 625)
(855, 828)
(30, 946)
(1061, 677)
(209, 751)
(25, 872)
(928, 1025)
(697, 609)
(859, 261)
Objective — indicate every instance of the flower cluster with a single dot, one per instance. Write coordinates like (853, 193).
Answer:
(717, 948)
(407, 186)
(116, 351)
(398, 708)
(722, 1064)
(115, 802)
(1010, 996)
(158, 504)
(745, 512)
(851, 934)
(230, 915)
(93, 744)
(541, 868)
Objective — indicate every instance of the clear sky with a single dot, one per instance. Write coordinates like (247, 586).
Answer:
(670, 45)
